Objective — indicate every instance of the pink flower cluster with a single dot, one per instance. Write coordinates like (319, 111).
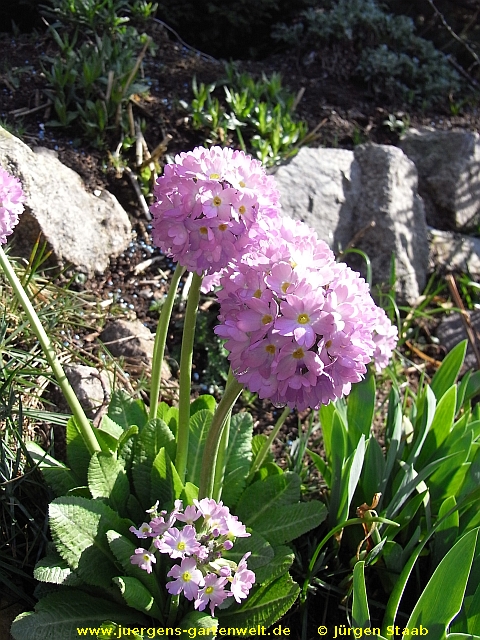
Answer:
(11, 199)
(206, 204)
(300, 328)
(207, 530)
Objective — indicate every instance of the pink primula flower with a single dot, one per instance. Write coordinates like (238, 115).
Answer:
(11, 203)
(187, 579)
(178, 543)
(213, 592)
(144, 559)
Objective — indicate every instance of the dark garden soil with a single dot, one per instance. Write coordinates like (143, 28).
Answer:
(343, 115)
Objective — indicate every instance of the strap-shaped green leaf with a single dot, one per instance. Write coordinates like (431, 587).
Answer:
(360, 612)
(360, 409)
(79, 528)
(59, 615)
(448, 371)
(438, 605)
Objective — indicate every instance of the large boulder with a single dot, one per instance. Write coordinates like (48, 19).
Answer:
(82, 229)
(320, 187)
(448, 165)
(455, 252)
(389, 199)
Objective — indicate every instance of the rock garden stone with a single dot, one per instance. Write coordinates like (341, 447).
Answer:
(91, 387)
(455, 252)
(82, 229)
(451, 331)
(448, 165)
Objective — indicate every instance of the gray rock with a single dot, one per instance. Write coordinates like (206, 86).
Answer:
(91, 387)
(451, 331)
(454, 252)
(448, 165)
(80, 228)
(390, 200)
(133, 341)
(320, 187)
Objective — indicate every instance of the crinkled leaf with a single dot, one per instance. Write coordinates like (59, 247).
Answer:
(79, 528)
(285, 523)
(78, 456)
(238, 457)
(107, 479)
(127, 411)
(266, 495)
(137, 596)
(110, 432)
(261, 551)
(280, 564)
(199, 426)
(55, 570)
(166, 486)
(58, 615)
(204, 402)
(154, 436)
(264, 606)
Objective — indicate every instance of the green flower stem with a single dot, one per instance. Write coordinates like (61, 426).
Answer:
(212, 443)
(160, 340)
(81, 419)
(221, 460)
(261, 455)
(186, 376)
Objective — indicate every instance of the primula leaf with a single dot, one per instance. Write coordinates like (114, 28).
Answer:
(123, 549)
(166, 486)
(78, 456)
(199, 426)
(58, 615)
(280, 564)
(257, 443)
(266, 495)
(446, 375)
(110, 432)
(264, 606)
(137, 596)
(79, 528)
(238, 457)
(261, 550)
(205, 402)
(54, 569)
(126, 411)
(437, 605)
(107, 479)
(285, 523)
(154, 435)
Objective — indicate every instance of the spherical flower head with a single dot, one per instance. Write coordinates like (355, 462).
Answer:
(144, 559)
(207, 203)
(11, 199)
(188, 579)
(300, 328)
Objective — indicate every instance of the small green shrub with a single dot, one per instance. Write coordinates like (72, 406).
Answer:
(387, 53)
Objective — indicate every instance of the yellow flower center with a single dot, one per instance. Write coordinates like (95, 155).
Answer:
(217, 201)
(223, 227)
(328, 344)
(204, 230)
(214, 176)
(181, 545)
(209, 590)
(285, 286)
(270, 348)
(241, 209)
(257, 294)
(298, 353)
(146, 558)
(303, 318)
(293, 264)
(267, 318)
(242, 184)
(186, 576)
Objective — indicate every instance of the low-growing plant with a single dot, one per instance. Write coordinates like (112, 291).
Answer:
(382, 49)
(259, 112)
